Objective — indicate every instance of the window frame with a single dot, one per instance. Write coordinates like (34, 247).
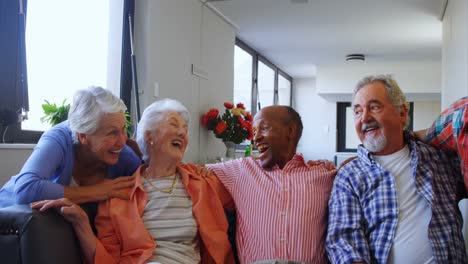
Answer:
(14, 74)
(256, 57)
(253, 84)
(287, 77)
(270, 65)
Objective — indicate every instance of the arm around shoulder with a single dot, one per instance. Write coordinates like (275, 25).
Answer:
(217, 186)
(229, 172)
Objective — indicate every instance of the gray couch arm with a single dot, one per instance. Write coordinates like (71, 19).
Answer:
(28, 236)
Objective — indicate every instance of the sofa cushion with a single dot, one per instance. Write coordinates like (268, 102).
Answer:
(28, 236)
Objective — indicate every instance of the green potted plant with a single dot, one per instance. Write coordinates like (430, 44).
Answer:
(54, 114)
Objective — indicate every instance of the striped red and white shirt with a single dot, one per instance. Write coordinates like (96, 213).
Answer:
(281, 214)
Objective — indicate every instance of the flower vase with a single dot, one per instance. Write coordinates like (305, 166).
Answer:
(230, 149)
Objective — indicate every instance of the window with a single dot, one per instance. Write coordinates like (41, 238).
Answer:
(66, 56)
(69, 45)
(257, 81)
(346, 132)
(243, 62)
(284, 90)
(266, 85)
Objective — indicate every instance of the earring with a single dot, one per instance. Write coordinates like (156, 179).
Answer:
(151, 143)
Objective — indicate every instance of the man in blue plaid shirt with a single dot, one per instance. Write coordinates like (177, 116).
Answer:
(398, 201)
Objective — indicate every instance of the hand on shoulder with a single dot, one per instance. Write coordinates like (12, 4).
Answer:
(322, 162)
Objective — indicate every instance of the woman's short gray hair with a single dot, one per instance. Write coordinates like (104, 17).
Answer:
(394, 93)
(87, 108)
(154, 114)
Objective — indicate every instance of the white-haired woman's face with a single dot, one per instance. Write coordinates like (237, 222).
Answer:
(170, 138)
(108, 140)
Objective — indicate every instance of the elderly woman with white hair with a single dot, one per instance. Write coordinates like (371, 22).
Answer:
(77, 159)
(176, 211)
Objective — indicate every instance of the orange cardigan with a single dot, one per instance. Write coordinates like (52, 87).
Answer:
(123, 238)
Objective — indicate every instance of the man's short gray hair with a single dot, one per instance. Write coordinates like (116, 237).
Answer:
(87, 108)
(153, 115)
(394, 93)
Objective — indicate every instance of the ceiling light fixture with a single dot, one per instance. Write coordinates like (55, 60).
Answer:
(355, 57)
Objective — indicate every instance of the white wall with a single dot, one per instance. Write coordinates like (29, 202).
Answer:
(218, 41)
(455, 52)
(12, 158)
(455, 66)
(170, 37)
(420, 80)
(319, 120)
(425, 113)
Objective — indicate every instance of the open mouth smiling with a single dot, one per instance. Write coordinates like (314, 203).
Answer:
(115, 151)
(262, 147)
(177, 143)
(370, 127)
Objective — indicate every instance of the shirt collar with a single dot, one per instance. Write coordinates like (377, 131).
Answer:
(138, 180)
(296, 161)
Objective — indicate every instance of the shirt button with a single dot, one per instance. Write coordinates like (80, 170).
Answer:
(286, 189)
(283, 213)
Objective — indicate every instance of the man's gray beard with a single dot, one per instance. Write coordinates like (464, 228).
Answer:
(375, 144)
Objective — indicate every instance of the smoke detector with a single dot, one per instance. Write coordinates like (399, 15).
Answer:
(355, 57)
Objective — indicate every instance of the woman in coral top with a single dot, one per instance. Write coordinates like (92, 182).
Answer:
(176, 211)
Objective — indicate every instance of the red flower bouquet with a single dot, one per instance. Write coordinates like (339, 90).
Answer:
(234, 125)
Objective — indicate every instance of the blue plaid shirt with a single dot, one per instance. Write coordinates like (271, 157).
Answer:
(363, 207)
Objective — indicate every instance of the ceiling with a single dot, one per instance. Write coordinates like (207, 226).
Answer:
(301, 35)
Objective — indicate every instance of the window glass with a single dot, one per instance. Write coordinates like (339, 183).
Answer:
(67, 49)
(266, 84)
(243, 77)
(284, 91)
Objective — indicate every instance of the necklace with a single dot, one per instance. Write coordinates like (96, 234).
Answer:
(168, 190)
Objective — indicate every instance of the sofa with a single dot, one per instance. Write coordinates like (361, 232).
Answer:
(29, 236)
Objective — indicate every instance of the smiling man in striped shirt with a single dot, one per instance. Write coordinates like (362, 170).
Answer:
(281, 202)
